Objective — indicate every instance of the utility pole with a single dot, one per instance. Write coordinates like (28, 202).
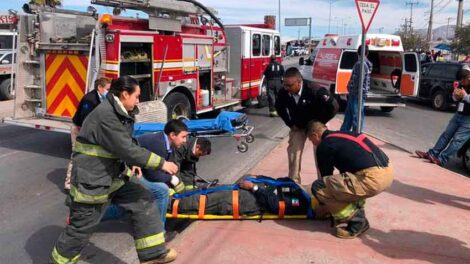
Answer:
(279, 26)
(429, 35)
(411, 4)
(447, 30)
(460, 14)
(406, 26)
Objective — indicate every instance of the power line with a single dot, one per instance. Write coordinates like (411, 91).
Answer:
(411, 4)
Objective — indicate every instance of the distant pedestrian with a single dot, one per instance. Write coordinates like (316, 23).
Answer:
(297, 104)
(273, 74)
(458, 129)
(350, 116)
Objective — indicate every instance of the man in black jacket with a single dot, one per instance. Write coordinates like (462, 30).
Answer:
(273, 73)
(91, 100)
(297, 104)
(187, 156)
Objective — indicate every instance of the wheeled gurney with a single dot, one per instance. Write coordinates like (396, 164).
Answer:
(226, 124)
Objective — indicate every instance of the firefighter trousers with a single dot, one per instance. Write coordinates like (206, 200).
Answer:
(147, 227)
(344, 194)
(273, 87)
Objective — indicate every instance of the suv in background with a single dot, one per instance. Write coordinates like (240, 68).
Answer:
(436, 83)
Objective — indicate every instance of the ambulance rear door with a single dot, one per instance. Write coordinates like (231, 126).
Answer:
(344, 72)
(410, 74)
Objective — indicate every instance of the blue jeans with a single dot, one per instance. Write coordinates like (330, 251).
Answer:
(453, 138)
(350, 115)
(159, 190)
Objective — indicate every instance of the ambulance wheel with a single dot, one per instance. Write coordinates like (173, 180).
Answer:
(250, 138)
(386, 109)
(7, 92)
(178, 106)
(242, 147)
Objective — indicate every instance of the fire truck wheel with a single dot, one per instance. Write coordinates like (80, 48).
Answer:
(6, 91)
(178, 105)
(386, 109)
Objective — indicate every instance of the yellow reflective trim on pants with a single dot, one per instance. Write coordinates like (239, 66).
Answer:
(346, 212)
(154, 161)
(171, 192)
(150, 241)
(59, 259)
(92, 150)
(179, 188)
(189, 187)
(80, 197)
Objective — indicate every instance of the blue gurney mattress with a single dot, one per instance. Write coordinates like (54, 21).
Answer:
(226, 122)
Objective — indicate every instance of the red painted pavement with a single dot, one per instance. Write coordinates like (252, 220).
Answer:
(423, 218)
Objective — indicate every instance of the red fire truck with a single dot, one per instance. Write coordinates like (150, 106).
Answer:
(182, 54)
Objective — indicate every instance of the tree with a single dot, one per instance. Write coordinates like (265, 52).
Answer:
(461, 42)
(412, 40)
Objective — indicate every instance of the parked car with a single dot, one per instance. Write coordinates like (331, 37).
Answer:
(436, 83)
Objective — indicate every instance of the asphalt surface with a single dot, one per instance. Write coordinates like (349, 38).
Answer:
(33, 162)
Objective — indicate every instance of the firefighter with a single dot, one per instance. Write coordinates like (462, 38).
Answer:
(365, 171)
(100, 176)
(89, 102)
(187, 156)
(273, 73)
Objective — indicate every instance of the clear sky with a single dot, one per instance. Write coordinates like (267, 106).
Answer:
(344, 16)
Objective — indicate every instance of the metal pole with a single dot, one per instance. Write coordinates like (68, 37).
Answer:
(361, 83)
(329, 18)
(309, 32)
(279, 26)
(460, 14)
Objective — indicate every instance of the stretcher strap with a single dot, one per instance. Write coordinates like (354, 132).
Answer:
(282, 209)
(202, 206)
(174, 210)
(235, 206)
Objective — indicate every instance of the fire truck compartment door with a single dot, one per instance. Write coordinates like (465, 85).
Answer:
(205, 55)
(344, 72)
(410, 74)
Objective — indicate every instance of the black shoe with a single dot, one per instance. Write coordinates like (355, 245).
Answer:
(170, 235)
(348, 233)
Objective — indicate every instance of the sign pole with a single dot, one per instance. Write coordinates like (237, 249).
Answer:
(366, 10)
(361, 84)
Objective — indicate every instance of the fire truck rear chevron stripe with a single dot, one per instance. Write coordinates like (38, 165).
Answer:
(65, 83)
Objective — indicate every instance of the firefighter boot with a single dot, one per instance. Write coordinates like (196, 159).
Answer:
(356, 226)
(169, 256)
(273, 114)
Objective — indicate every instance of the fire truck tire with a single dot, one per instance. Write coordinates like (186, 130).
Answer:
(386, 109)
(6, 93)
(178, 105)
(262, 101)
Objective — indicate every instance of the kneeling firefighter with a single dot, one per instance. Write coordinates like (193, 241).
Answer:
(365, 171)
(100, 175)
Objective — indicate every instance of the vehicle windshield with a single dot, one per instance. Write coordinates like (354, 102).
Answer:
(6, 42)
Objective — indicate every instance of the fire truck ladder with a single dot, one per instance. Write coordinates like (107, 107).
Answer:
(171, 9)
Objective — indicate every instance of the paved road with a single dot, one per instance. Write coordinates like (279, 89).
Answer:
(32, 210)
(6, 108)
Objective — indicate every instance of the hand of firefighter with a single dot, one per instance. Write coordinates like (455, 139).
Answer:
(247, 185)
(137, 171)
(170, 167)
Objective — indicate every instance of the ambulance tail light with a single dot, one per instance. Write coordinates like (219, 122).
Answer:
(106, 19)
(395, 43)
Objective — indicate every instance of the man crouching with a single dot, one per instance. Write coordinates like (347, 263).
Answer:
(365, 171)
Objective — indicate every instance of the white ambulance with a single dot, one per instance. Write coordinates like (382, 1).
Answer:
(395, 73)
